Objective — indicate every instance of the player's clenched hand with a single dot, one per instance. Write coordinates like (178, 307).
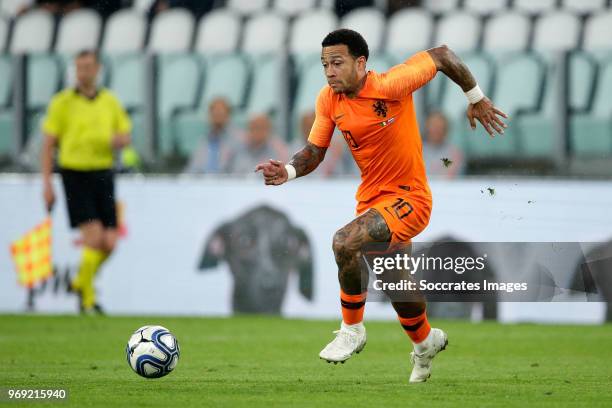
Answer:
(274, 172)
(488, 116)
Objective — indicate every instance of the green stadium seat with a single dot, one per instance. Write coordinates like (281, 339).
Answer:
(265, 86)
(44, 78)
(519, 84)
(591, 136)
(179, 80)
(139, 137)
(226, 76)
(6, 133)
(189, 128)
(126, 78)
(476, 144)
(311, 80)
(6, 83)
(591, 133)
(582, 80)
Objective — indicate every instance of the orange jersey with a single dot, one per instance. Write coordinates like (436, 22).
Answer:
(380, 127)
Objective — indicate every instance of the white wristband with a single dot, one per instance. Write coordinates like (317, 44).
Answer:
(291, 173)
(475, 95)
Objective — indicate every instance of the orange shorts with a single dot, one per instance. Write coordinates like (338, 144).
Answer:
(406, 213)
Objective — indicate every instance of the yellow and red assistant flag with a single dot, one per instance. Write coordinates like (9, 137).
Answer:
(32, 255)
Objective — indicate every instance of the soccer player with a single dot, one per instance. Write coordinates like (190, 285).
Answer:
(87, 123)
(375, 113)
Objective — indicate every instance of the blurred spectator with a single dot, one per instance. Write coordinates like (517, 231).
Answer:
(258, 145)
(396, 5)
(442, 158)
(59, 7)
(104, 7)
(212, 153)
(342, 7)
(197, 7)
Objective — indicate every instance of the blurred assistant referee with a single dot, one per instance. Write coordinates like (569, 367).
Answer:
(87, 124)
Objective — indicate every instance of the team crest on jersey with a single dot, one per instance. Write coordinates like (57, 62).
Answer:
(380, 107)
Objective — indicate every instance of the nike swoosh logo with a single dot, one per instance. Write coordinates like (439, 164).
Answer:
(339, 116)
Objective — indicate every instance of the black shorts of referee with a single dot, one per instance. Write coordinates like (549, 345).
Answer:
(90, 196)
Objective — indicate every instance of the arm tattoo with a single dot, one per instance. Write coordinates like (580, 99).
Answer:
(307, 159)
(453, 67)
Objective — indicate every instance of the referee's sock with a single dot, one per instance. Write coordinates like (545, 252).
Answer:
(91, 259)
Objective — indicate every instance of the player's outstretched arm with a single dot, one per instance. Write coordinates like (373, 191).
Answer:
(305, 161)
(480, 108)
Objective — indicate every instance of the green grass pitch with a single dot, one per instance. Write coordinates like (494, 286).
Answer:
(262, 361)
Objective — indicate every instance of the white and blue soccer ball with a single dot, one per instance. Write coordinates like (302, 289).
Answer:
(152, 351)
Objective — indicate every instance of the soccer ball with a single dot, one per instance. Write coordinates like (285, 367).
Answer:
(152, 351)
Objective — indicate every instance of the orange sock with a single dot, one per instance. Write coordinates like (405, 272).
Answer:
(353, 307)
(417, 328)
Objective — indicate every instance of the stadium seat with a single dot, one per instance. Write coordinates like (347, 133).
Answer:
(409, 30)
(378, 62)
(311, 80)
(582, 70)
(293, 7)
(139, 135)
(10, 8)
(142, 6)
(127, 73)
(265, 33)
(6, 83)
(558, 31)
(32, 32)
(4, 33)
(453, 102)
(6, 133)
(265, 87)
(189, 128)
(539, 128)
(584, 6)
(247, 6)
(535, 6)
(591, 136)
(179, 82)
(308, 30)
(519, 81)
(78, 30)
(506, 32)
(597, 33)
(591, 133)
(43, 75)
(441, 6)
(124, 33)
(218, 32)
(226, 76)
(460, 31)
(485, 7)
(369, 22)
(172, 31)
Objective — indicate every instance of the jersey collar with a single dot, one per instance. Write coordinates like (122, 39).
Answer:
(76, 91)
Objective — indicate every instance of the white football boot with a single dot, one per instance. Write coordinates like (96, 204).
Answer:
(350, 339)
(424, 353)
